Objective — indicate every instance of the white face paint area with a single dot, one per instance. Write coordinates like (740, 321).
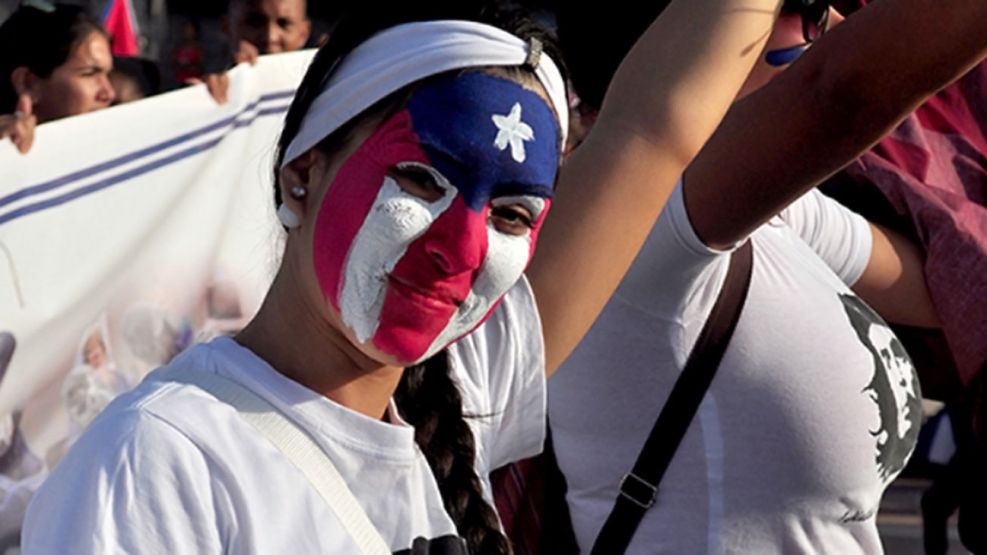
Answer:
(507, 257)
(394, 222)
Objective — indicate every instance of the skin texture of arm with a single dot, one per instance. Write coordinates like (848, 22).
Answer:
(840, 98)
(851, 88)
(894, 281)
(668, 96)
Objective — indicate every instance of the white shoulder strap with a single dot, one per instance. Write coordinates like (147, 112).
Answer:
(299, 448)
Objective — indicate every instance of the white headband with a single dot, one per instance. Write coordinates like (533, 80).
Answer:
(401, 55)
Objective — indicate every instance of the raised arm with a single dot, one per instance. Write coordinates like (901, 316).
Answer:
(668, 96)
(841, 97)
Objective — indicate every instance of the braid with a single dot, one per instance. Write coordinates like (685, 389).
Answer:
(429, 400)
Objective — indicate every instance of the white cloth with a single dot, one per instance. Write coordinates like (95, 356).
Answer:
(782, 456)
(168, 469)
(403, 54)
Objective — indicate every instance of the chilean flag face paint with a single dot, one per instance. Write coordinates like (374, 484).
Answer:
(411, 275)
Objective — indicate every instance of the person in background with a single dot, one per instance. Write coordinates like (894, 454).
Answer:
(268, 27)
(928, 181)
(815, 407)
(54, 62)
(187, 58)
(134, 79)
(260, 27)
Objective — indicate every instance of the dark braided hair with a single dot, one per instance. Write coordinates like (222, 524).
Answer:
(430, 401)
(427, 397)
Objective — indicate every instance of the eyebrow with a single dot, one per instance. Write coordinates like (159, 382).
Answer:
(85, 66)
(524, 189)
(439, 155)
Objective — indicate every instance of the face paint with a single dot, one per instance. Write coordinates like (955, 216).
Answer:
(412, 275)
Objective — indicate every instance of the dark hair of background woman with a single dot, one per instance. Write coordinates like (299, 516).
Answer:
(41, 40)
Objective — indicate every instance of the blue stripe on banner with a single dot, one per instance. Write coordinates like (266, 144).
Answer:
(134, 172)
(138, 154)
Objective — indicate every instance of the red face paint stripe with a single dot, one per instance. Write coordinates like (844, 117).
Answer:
(440, 266)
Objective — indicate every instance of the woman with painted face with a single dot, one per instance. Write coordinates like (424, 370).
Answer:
(815, 407)
(54, 62)
(400, 354)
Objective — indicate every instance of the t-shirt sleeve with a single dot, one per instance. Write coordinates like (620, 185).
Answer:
(500, 368)
(129, 485)
(839, 236)
(675, 275)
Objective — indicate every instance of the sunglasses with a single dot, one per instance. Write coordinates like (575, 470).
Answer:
(815, 20)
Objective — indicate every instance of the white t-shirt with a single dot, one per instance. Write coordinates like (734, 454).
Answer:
(168, 469)
(806, 421)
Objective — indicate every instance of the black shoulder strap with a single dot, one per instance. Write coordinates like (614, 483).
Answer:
(640, 486)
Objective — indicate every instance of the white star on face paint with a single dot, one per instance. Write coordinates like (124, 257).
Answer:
(512, 131)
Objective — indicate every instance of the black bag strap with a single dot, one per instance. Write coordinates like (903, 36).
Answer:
(639, 487)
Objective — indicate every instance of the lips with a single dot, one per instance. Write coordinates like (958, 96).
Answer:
(426, 294)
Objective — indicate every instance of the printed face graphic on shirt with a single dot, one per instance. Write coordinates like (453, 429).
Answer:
(894, 388)
(435, 216)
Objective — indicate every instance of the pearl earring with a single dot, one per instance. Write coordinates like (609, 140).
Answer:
(298, 192)
(288, 217)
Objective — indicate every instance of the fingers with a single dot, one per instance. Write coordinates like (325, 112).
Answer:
(24, 131)
(218, 85)
(20, 128)
(246, 52)
(24, 105)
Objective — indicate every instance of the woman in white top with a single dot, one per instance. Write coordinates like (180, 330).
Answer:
(815, 406)
(415, 169)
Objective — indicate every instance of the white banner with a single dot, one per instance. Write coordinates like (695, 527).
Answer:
(125, 235)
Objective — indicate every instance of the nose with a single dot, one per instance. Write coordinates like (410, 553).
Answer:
(457, 240)
(274, 37)
(105, 94)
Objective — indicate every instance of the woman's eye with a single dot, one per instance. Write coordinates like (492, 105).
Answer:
(512, 219)
(418, 182)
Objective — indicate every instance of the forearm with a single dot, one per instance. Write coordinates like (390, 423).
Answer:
(667, 97)
(681, 76)
(846, 92)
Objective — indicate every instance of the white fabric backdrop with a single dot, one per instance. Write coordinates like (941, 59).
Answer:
(146, 225)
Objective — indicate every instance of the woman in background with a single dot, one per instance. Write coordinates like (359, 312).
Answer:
(54, 62)
(815, 407)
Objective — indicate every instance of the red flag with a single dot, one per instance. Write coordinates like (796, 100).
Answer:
(119, 22)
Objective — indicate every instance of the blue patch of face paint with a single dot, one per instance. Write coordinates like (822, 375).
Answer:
(490, 137)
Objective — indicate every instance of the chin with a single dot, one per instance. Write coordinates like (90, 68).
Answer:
(387, 358)
(405, 345)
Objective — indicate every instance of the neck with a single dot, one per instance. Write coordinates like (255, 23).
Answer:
(294, 336)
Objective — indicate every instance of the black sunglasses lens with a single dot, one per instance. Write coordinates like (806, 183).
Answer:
(815, 21)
